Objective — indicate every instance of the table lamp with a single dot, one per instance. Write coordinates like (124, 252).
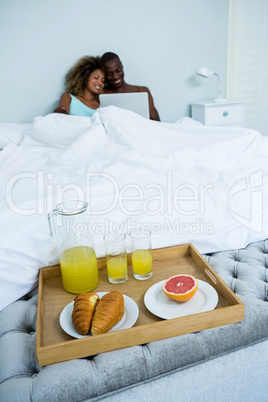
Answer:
(206, 73)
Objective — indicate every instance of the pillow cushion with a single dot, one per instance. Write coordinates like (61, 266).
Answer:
(12, 133)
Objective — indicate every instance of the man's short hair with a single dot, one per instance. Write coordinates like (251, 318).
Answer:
(108, 56)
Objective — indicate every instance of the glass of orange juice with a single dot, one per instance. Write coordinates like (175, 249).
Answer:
(116, 258)
(141, 254)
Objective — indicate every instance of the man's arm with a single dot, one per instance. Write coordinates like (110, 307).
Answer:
(153, 112)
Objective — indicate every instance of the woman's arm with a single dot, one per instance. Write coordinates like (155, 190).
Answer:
(64, 104)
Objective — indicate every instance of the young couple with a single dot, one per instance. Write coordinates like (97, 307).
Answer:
(91, 76)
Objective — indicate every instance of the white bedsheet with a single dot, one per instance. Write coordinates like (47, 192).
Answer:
(186, 181)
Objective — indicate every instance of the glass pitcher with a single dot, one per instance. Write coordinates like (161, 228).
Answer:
(77, 257)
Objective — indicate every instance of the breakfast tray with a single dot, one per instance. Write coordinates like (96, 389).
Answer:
(53, 345)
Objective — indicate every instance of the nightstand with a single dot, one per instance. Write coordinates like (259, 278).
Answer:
(219, 113)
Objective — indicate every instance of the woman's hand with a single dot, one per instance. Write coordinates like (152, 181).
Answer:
(64, 104)
(60, 109)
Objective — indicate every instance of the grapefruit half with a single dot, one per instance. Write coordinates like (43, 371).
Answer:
(180, 287)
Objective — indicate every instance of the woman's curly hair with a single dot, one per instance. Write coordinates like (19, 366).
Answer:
(77, 77)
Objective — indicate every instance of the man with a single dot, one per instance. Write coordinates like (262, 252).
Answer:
(116, 83)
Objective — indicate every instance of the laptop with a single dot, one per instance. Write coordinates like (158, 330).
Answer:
(137, 102)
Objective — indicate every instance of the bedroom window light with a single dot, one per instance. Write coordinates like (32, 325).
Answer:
(206, 73)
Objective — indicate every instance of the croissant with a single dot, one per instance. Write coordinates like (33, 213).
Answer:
(109, 312)
(83, 311)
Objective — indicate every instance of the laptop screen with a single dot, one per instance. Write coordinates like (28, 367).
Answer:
(137, 102)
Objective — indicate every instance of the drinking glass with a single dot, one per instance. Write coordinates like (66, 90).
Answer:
(116, 258)
(141, 254)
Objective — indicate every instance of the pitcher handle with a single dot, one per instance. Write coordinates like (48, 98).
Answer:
(51, 222)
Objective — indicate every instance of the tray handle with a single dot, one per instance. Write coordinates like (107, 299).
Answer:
(212, 277)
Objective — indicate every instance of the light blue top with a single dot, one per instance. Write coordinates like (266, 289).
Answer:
(78, 108)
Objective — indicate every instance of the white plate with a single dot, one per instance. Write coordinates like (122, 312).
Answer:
(128, 320)
(205, 299)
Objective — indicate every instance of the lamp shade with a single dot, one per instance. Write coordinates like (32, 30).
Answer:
(205, 72)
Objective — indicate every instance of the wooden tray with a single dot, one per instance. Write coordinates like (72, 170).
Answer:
(54, 345)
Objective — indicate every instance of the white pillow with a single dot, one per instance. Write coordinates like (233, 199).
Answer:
(12, 133)
(59, 130)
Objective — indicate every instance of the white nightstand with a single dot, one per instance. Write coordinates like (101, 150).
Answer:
(219, 113)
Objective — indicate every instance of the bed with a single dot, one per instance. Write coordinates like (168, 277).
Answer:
(189, 184)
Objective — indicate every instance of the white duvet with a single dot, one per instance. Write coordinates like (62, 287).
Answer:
(185, 181)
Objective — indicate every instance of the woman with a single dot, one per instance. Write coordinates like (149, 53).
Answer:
(84, 82)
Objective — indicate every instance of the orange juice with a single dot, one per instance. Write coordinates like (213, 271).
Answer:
(142, 261)
(117, 267)
(79, 269)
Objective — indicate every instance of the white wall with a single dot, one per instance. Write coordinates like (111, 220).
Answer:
(161, 44)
